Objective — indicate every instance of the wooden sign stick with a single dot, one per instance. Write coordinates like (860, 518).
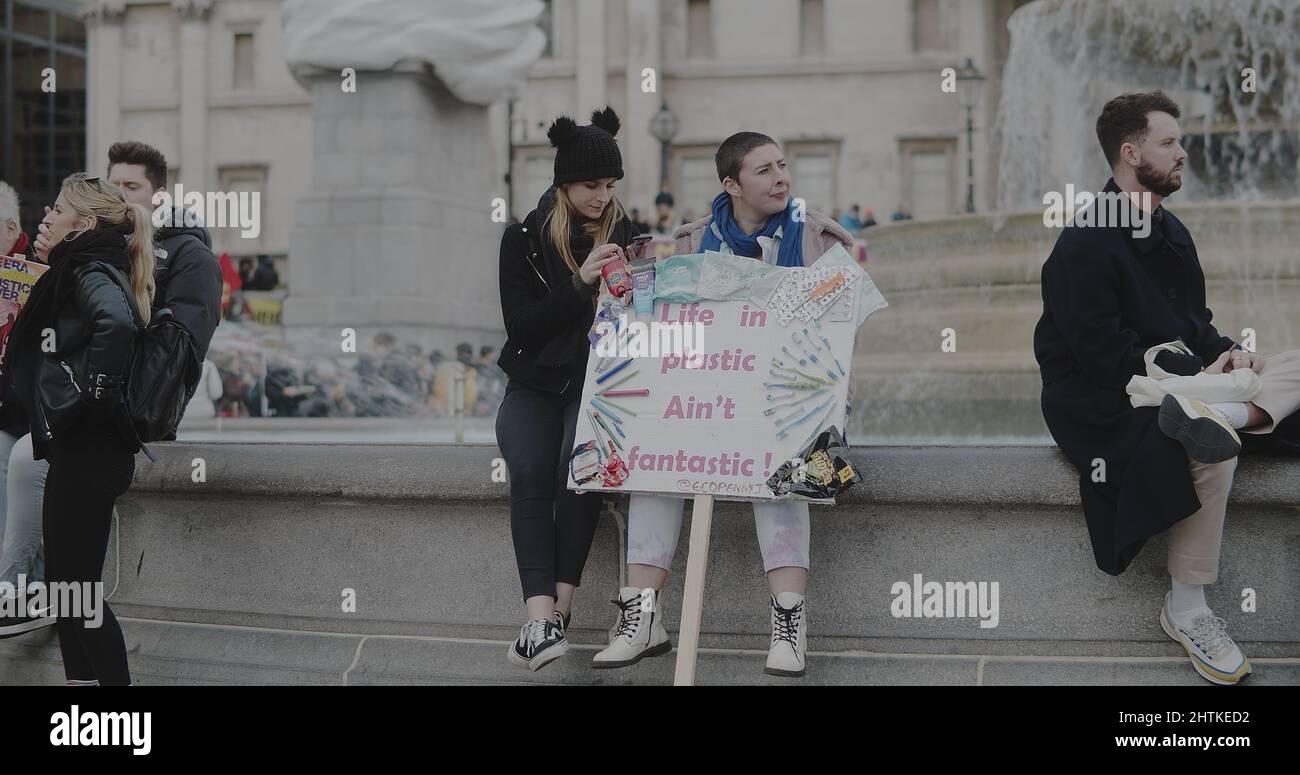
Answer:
(697, 562)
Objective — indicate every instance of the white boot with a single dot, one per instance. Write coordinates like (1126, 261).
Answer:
(639, 632)
(789, 636)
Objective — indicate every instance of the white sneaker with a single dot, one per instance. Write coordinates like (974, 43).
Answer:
(1214, 655)
(789, 636)
(639, 632)
(540, 643)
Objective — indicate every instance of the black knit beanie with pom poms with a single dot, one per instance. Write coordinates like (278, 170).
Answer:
(586, 152)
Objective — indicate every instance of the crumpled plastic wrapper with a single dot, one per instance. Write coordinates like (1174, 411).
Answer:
(584, 463)
(821, 472)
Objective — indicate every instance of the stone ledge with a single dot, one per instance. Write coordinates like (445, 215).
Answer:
(957, 476)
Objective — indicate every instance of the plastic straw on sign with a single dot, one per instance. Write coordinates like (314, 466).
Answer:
(798, 410)
(600, 452)
(642, 393)
(771, 397)
(618, 407)
(601, 379)
(816, 429)
(605, 411)
(601, 420)
(621, 381)
(600, 440)
(805, 418)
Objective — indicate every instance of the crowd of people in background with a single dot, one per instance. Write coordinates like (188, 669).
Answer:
(663, 219)
(388, 379)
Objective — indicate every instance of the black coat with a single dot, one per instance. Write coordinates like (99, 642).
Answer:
(1107, 298)
(77, 386)
(548, 310)
(187, 280)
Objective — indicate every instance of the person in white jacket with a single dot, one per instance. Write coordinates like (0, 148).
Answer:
(206, 395)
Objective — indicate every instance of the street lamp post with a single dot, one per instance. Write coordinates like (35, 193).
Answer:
(970, 82)
(510, 157)
(664, 126)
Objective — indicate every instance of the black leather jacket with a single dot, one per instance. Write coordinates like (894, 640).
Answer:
(80, 380)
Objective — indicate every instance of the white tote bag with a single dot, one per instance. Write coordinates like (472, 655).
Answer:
(1237, 385)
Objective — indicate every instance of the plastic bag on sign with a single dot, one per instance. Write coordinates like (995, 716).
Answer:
(677, 279)
(727, 277)
(821, 471)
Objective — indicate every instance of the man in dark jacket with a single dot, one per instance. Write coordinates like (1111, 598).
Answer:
(1114, 287)
(187, 276)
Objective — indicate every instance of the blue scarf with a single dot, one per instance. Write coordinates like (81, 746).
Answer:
(790, 252)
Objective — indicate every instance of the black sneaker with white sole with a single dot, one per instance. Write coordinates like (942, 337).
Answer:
(540, 642)
(1203, 432)
(13, 626)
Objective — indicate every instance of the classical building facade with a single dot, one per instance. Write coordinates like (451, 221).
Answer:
(206, 83)
(850, 87)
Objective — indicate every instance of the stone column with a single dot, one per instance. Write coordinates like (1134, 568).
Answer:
(592, 63)
(104, 78)
(395, 232)
(194, 92)
(640, 148)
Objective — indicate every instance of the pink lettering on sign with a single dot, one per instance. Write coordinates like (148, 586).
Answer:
(686, 313)
(696, 410)
(752, 318)
(732, 463)
(727, 360)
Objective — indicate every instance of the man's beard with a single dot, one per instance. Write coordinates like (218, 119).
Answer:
(1160, 185)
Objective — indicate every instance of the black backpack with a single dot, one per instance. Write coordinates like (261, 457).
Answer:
(163, 374)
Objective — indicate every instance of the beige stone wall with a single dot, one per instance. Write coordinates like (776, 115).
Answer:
(856, 88)
(164, 73)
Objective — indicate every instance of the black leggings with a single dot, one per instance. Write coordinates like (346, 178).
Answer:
(88, 471)
(552, 526)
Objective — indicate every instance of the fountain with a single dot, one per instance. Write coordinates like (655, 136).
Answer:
(978, 275)
(1069, 56)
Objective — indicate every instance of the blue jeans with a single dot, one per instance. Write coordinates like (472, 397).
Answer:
(23, 482)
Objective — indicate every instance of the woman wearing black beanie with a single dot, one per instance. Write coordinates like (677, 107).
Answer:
(550, 274)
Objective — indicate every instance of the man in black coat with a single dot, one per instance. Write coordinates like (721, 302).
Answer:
(187, 276)
(1114, 287)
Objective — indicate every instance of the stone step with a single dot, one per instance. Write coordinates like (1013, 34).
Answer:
(173, 653)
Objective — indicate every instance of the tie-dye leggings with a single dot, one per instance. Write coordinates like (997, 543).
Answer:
(654, 523)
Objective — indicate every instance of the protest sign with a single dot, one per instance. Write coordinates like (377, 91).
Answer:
(16, 278)
(738, 371)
